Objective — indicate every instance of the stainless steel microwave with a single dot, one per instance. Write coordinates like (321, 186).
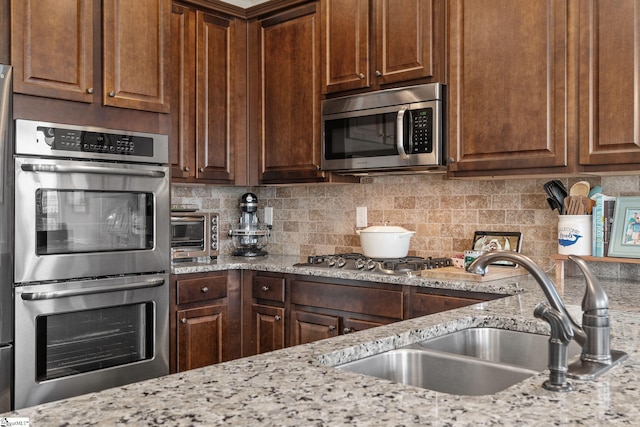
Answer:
(194, 235)
(388, 130)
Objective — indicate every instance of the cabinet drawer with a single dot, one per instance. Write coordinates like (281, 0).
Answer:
(201, 289)
(354, 299)
(268, 288)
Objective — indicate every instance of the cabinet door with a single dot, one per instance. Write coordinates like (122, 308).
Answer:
(183, 104)
(136, 53)
(201, 336)
(508, 68)
(289, 110)
(408, 38)
(354, 325)
(214, 67)
(345, 43)
(43, 32)
(267, 328)
(308, 327)
(424, 304)
(609, 113)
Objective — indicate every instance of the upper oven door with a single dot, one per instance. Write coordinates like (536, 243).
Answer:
(77, 219)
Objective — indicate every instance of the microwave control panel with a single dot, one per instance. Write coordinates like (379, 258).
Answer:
(421, 130)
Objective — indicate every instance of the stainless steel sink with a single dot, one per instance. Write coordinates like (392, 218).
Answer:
(523, 349)
(472, 361)
(442, 372)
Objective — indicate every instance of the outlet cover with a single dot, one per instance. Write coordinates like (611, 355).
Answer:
(361, 217)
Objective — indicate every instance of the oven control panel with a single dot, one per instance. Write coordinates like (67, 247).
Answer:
(89, 142)
(96, 142)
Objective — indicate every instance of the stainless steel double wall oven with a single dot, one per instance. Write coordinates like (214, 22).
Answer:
(92, 259)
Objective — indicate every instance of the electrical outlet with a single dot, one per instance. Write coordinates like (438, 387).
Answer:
(268, 215)
(361, 217)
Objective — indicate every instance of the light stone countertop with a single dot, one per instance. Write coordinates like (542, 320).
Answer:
(298, 386)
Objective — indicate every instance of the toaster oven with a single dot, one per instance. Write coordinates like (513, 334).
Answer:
(194, 235)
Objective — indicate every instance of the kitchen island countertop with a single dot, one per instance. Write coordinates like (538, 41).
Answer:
(298, 386)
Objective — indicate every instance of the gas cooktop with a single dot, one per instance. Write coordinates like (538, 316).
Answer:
(409, 265)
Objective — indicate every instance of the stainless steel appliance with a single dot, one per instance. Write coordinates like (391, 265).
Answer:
(250, 237)
(6, 238)
(194, 235)
(410, 265)
(92, 259)
(390, 130)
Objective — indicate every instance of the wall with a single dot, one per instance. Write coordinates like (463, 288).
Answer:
(320, 219)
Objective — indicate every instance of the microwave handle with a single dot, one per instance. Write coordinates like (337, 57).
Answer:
(91, 170)
(400, 131)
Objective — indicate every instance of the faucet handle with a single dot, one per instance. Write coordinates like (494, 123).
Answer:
(561, 336)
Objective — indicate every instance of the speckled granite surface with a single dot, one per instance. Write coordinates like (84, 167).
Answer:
(299, 387)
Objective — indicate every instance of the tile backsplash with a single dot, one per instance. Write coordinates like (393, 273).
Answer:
(321, 219)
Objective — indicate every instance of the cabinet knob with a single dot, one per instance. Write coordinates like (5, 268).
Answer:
(265, 288)
(112, 94)
(201, 170)
(204, 290)
(332, 328)
(452, 160)
(277, 318)
(361, 76)
(378, 73)
(186, 168)
(90, 90)
(347, 330)
(183, 320)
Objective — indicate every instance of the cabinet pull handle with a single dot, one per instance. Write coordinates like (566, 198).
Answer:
(265, 288)
(347, 330)
(90, 90)
(201, 170)
(112, 94)
(183, 320)
(378, 73)
(204, 290)
(186, 169)
(277, 318)
(332, 328)
(361, 76)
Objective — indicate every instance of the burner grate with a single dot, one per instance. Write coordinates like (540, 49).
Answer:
(356, 261)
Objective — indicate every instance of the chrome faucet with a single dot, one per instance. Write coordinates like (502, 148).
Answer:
(593, 335)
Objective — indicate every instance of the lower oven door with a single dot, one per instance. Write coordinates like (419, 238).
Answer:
(84, 336)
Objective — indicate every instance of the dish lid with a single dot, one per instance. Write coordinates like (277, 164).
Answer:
(385, 229)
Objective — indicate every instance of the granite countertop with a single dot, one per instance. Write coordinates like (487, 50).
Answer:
(298, 385)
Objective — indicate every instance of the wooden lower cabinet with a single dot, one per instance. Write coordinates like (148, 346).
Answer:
(268, 328)
(205, 320)
(429, 301)
(308, 327)
(201, 336)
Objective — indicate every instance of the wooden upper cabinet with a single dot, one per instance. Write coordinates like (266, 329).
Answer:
(42, 33)
(289, 96)
(507, 86)
(396, 41)
(609, 88)
(136, 54)
(54, 42)
(204, 96)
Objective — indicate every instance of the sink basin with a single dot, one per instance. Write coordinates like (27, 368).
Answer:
(523, 349)
(472, 361)
(442, 372)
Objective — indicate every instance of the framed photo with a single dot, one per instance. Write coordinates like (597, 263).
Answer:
(625, 235)
(492, 240)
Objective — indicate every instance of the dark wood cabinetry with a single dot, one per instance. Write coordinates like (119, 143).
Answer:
(208, 61)
(425, 301)
(134, 49)
(265, 314)
(205, 319)
(322, 310)
(374, 44)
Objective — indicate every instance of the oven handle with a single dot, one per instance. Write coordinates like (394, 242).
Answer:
(36, 296)
(91, 170)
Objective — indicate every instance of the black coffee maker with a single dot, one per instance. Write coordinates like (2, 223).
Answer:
(250, 237)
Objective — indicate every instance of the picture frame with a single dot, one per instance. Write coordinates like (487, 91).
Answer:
(491, 240)
(625, 234)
